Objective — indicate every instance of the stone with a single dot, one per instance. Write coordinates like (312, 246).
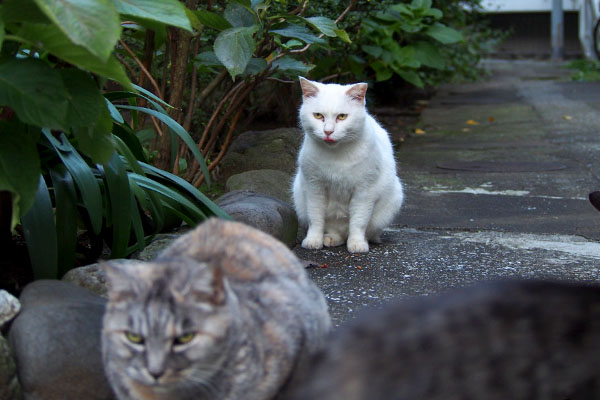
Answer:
(159, 243)
(9, 384)
(56, 342)
(271, 182)
(90, 277)
(263, 212)
(273, 149)
(9, 308)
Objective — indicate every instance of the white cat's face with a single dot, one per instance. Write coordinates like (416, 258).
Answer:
(332, 113)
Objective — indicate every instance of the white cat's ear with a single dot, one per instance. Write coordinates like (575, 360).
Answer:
(358, 92)
(309, 89)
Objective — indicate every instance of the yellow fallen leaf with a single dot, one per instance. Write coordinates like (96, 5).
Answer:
(472, 122)
(567, 117)
(492, 119)
(419, 131)
(466, 130)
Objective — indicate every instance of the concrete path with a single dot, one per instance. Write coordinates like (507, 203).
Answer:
(496, 187)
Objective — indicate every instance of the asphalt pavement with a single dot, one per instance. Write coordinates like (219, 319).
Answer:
(496, 187)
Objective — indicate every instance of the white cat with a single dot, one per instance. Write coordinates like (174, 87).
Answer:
(346, 186)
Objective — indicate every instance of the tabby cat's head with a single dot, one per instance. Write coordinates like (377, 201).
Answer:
(166, 324)
(332, 113)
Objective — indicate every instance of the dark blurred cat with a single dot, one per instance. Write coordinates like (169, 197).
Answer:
(505, 341)
(224, 313)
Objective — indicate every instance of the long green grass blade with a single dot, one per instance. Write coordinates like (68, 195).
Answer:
(210, 206)
(136, 223)
(182, 133)
(150, 202)
(130, 139)
(129, 157)
(83, 176)
(65, 198)
(170, 193)
(117, 185)
(40, 234)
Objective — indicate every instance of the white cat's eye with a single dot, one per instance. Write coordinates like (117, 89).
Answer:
(134, 338)
(184, 339)
(318, 116)
(342, 117)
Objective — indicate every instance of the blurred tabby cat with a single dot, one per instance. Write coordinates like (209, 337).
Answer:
(500, 341)
(224, 313)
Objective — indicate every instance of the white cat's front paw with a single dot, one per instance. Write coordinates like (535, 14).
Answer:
(358, 245)
(312, 243)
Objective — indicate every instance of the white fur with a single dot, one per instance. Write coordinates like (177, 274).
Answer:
(346, 190)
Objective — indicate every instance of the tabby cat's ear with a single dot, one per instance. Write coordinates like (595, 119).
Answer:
(358, 92)
(309, 89)
(122, 280)
(204, 284)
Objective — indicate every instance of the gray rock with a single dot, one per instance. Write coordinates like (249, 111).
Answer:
(56, 343)
(271, 182)
(9, 384)
(263, 212)
(273, 149)
(159, 243)
(9, 308)
(90, 277)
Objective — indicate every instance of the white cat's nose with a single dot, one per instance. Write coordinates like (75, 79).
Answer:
(327, 132)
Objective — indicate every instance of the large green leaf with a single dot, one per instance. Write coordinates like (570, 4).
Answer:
(298, 32)
(292, 65)
(40, 234)
(19, 167)
(52, 39)
(21, 11)
(35, 92)
(95, 140)
(83, 176)
(444, 34)
(429, 55)
(92, 24)
(85, 99)
(117, 185)
(410, 76)
(234, 48)
(169, 12)
(238, 16)
(323, 24)
(65, 203)
(213, 20)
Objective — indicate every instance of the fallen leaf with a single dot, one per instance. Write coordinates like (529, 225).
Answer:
(491, 119)
(472, 122)
(466, 130)
(419, 131)
(567, 117)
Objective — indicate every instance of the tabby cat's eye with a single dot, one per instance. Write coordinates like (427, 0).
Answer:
(342, 117)
(318, 116)
(134, 338)
(184, 339)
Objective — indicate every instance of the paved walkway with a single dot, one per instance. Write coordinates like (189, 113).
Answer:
(496, 187)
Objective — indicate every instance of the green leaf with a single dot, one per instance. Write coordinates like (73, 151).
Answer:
(114, 113)
(92, 24)
(85, 99)
(117, 186)
(95, 140)
(19, 167)
(255, 66)
(179, 131)
(83, 176)
(53, 40)
(374, 51)
(126, 141)
(65, 198)
(298, 32)
(136, 222)
(213, 20)
(342, 34)
(444, 34)
(410, 76)
(208, 58)
(429, 55)
(238, 15)
(169, 12)
(40, 234)
(323, 25)
(211, 207)
(292, 65)
(234, 48)
(35, 92)
(382, 71)
(22, 11)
